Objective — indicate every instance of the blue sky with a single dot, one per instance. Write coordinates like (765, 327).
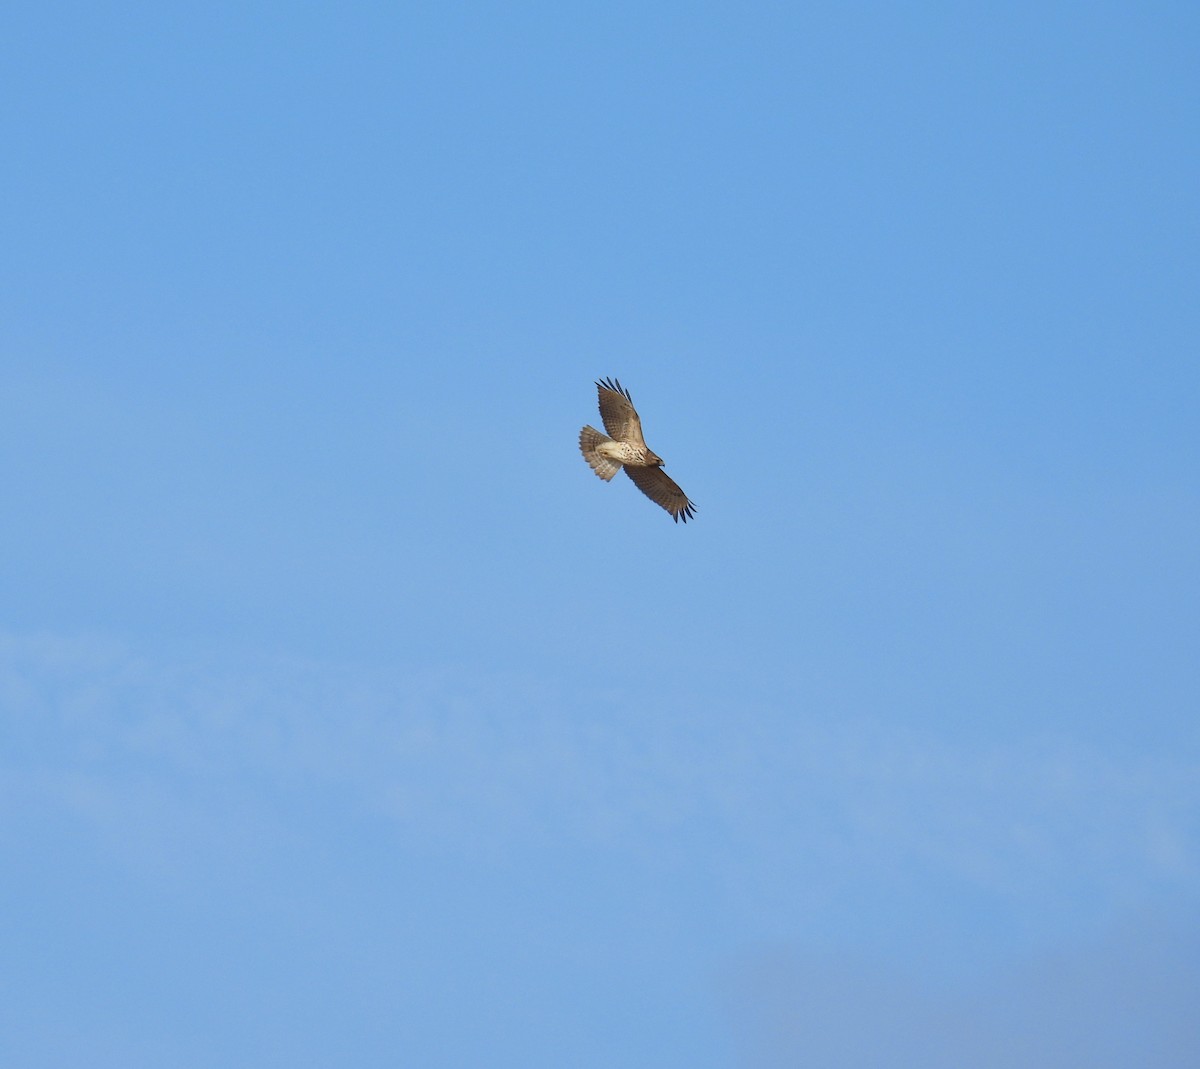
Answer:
(349, 719)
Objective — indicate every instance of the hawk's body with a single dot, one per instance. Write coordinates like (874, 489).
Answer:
(624, 447)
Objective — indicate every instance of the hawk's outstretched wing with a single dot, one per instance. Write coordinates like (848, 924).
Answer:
(660, 488)
(620, 417)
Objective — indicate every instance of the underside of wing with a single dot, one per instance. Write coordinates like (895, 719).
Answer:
(617, 411)
(660, 488)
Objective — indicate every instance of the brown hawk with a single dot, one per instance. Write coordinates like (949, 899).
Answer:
(624, 447)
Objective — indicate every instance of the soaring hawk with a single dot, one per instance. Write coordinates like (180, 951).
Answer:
(626, 448)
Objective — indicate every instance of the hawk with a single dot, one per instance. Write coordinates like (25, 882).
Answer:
(624, 447)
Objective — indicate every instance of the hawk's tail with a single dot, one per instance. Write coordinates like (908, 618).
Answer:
(589, 440)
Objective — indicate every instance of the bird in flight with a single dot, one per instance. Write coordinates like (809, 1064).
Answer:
(624, 447)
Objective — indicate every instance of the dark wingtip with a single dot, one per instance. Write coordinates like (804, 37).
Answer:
(614, 386)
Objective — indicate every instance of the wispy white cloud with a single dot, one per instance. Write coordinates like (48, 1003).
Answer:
(767, 801)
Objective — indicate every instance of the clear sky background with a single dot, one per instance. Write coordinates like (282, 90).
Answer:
(348, 719)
